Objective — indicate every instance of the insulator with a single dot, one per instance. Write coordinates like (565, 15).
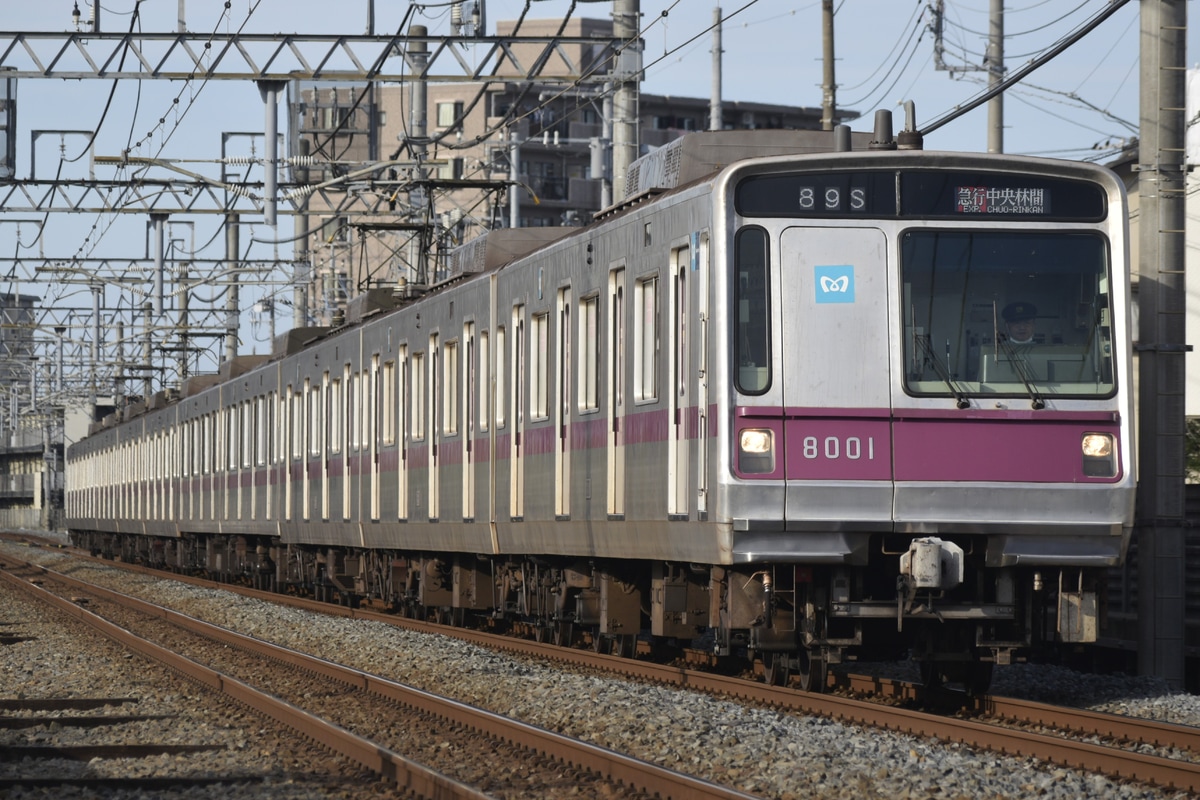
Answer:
(240, 160)
(301, 161)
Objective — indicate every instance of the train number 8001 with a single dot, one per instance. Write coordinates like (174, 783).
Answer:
(852, 448)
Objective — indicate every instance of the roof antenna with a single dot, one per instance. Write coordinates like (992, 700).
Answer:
(841, 139)
(910, 138)
(883, 131)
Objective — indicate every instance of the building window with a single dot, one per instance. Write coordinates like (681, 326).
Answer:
(449, 113)
(452, 170)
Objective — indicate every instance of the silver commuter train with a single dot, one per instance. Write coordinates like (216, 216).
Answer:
(768, 406)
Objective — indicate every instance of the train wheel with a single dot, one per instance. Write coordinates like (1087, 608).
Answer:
(812, 670)
(980, 678)
(974, 677)
(933, 675)
(623, 645)
(777, 669)
(564, 634)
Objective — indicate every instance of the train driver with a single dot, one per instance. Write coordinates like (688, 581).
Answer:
(1020, 322)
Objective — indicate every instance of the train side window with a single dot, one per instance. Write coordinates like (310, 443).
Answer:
(335, 420)
(751, 308)
(261, 428)
(387, 401)
(232, 440)
(283, 433)
(499, 396)
(314, 417)
(205, 450)
(645, 340)
(450, 388)
(417, 432)
(539, 341)
(589, 358)
(299, 420)
(248, 433)
(484, 371)
(352, 407)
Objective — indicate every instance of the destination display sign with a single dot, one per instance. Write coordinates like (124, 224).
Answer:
(923, 194)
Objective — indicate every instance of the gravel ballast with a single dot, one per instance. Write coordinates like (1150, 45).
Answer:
(775, 754)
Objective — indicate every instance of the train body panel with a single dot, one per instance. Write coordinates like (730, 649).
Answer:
(776, 404)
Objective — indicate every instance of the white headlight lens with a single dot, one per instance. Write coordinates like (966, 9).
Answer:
(756, 442)
(1099, 455)
(1097, 445)
(756, 452)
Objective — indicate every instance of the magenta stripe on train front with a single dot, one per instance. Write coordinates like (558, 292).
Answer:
(994, 450)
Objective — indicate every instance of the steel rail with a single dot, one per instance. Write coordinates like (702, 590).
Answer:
(414, 777)
(642, 775)
(1111, 761)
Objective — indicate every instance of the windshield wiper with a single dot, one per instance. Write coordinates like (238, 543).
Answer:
(960, 397)
(1022, 370)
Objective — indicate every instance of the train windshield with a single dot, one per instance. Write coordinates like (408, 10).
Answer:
(1018, 313)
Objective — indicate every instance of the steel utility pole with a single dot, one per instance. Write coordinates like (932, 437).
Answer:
(828, 87)
(995, 68)
(715, 114)
(626, 140)
(1162, 301)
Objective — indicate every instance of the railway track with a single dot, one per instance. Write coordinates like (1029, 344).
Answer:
(456, 738)
(82, 717)
(1040, 735)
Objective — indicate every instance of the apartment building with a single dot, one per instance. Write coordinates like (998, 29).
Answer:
(496, 153)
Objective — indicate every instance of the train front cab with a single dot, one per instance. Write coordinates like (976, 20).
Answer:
(915, 480)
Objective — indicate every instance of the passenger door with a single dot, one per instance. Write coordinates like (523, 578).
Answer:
(836, 376)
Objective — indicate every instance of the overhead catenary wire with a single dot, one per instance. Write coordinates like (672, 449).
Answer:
(1020, 74)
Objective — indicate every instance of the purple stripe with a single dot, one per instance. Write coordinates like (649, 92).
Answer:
(418, 456)
(645, 428)
(1046, 452)
(932, 444)
(539, 441)
(591, 434)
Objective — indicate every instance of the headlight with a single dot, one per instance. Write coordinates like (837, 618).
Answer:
(1097, 445)
(756, 451)
(1099, 455)
(756, 442)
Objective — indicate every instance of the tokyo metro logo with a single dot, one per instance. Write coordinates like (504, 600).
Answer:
(834, 284)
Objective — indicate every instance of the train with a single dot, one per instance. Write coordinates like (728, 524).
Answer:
(769, 406)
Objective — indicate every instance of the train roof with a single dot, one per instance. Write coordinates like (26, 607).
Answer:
(698, 155)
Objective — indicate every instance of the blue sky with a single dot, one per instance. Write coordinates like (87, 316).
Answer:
(1078, 106)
